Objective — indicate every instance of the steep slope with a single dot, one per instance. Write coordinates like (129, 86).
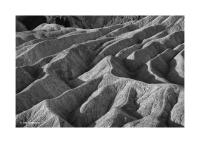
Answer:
(125, 75)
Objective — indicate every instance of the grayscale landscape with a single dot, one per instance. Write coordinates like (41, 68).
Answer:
(100, 71)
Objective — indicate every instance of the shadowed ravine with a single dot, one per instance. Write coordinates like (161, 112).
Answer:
(122, 75)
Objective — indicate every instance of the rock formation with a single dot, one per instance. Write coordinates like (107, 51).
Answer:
(123, 75)
(86, 22)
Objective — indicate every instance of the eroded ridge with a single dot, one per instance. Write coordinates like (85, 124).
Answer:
(124, 75)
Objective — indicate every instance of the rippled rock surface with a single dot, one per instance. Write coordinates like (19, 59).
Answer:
(122, 75)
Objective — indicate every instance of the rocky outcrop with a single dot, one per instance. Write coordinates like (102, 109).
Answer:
(125, 75)
(86, 22)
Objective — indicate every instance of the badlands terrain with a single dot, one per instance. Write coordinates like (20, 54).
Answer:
(129, 74)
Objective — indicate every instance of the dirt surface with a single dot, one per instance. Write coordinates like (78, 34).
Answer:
(129, 74)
